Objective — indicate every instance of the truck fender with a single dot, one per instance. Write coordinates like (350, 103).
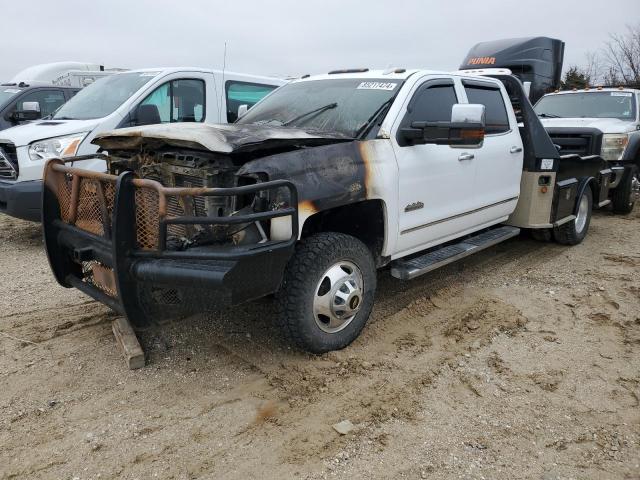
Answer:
(632, 152)
(325, 177)
(583, 184)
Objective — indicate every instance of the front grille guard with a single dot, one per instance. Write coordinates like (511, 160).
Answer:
(87, 201)
(103, 232)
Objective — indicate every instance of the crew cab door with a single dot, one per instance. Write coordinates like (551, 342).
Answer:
(499, 161)
(436, 182)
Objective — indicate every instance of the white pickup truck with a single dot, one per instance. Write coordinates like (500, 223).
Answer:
(136, 97)
(600, 121)
(321, 183)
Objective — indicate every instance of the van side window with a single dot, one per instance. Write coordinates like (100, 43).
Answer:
(496, 117)
(176, 101)
(188, 101)
(49, 100)
(243, 93)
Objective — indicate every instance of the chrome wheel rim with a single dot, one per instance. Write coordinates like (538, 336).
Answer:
(338, 296)
(581, 218)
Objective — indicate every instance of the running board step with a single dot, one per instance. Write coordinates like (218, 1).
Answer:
(406, 269)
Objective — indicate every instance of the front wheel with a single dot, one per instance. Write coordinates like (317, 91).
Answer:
(573, 232)
(327, 292)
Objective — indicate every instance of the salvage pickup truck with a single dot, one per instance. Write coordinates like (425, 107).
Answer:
(320, 184)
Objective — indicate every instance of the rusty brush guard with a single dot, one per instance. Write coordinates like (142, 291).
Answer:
(106, 235)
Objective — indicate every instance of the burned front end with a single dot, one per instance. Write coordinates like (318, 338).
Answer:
(169, 230)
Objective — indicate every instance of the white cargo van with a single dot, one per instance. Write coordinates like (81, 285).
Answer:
(133, 98)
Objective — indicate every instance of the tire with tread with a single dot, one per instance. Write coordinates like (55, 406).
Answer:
(566, 234)
(621, 195)
(313, 256)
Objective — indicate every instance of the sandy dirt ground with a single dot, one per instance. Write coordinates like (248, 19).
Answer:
(521, 362)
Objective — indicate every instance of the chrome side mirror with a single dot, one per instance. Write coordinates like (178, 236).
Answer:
(468, 113)
(31, 107)
(30, 111)
(242, 110)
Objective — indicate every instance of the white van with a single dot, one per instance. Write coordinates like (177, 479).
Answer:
(137, 97)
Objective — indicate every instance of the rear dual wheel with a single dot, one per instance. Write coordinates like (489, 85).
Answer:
(573, 232)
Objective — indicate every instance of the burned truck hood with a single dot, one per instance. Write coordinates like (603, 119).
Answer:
(221, 138)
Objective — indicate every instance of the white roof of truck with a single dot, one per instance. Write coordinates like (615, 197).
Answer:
(595, 89)
(387, 74)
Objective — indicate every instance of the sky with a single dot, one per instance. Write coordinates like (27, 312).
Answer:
(293, 37)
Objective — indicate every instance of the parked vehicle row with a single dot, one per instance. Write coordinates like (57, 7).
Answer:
(40, 90)
(593, 121)
(174, 191)
(132, 98)
(321, 183)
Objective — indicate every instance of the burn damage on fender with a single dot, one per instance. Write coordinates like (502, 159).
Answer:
(187, 213)
(328, 170)
(326, 177)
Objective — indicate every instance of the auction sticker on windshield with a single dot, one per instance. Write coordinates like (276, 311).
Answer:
(621, 94)
(377, 86)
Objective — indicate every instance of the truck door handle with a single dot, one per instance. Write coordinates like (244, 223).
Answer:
(515, 149)
(466, 156)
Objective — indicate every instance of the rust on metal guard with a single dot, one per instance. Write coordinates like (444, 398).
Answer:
(106, 236)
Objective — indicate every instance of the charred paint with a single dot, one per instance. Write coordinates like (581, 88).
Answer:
(231, 139)
(306, 208)
(325, 177)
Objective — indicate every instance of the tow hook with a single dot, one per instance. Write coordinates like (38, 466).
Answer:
(82, 254)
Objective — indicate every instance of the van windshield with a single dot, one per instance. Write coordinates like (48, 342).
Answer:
(618, 104)
(342, 105)
(104, 96)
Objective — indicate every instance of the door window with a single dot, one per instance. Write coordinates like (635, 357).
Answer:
(176, 101)
(244, 93)
(429, 104)
(49, 100)
(496, 118)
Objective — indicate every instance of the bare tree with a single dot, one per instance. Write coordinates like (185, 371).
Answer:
(610, 77)
(593, 67)
(622, 53)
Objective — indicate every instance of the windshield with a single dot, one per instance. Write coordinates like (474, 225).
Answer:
(341, 105)
(588, 105)
(6, 93)
(104, 96)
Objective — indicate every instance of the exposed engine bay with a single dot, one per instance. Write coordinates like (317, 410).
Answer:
(187, 159)
(195, 170)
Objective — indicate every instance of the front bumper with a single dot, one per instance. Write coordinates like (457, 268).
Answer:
(106, 236)
(21, 199)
